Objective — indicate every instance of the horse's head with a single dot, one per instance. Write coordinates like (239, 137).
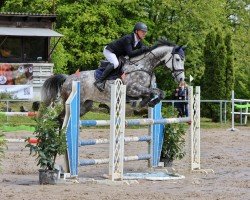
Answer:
(176, 63)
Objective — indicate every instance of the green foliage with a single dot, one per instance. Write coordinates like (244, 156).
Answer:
(51, 140)
(174, 142)
(16, 120)
(7, 128)
(218, 75)
(5, 95)
(209, 57)
(229, 67)
(60, 57)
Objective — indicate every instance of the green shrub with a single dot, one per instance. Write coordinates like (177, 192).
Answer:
(51, 140)
(174, 142)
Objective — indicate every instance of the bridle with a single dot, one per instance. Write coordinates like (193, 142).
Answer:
(175, 72)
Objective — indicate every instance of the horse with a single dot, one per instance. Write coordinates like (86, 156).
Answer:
(138, 76)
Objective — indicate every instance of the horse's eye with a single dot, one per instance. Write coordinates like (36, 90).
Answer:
(178, 59)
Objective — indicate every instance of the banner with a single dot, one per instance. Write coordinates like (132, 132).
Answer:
(16, 80)
(18, 91)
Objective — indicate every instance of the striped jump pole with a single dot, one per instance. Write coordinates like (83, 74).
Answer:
(28, 114)
(19, 140)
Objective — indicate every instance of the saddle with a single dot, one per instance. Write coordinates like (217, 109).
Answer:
(116, 73)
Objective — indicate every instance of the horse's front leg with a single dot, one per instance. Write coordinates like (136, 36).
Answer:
(158, 95)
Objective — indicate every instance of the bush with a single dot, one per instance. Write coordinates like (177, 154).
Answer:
(51, 140)
(174, 142)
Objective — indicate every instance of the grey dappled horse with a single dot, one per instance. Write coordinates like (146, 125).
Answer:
(139, 79)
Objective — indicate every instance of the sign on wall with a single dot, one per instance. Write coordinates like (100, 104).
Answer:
(16, 80)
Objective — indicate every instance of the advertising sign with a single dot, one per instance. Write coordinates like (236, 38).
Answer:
(16, 80)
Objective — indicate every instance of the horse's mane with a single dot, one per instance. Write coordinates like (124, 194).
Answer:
(162, 42)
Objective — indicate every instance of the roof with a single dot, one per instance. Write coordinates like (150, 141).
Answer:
(34, 32)
(13, 16)
(26, 14)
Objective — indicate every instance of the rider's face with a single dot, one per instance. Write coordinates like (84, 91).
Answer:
(141, 34)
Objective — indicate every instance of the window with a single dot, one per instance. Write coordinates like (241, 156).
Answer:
(23, 49)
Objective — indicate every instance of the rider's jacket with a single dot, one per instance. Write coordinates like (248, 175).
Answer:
(125, 46)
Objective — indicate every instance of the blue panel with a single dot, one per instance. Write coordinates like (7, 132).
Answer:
(157, 135)
(73, 132)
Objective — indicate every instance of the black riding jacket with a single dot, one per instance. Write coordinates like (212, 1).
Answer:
(125, 46)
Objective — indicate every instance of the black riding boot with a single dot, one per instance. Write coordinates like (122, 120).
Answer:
(100, 83)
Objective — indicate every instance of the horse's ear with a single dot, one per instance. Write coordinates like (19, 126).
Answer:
(184, 47)
(178, 48)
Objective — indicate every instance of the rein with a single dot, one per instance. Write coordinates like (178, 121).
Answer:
(172, 70)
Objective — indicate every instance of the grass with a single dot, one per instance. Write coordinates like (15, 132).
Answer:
(96, 116)
(207, 123)
(12, 123)
(16, 123)
(8, 128)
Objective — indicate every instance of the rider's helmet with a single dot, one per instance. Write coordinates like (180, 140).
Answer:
(140, 26)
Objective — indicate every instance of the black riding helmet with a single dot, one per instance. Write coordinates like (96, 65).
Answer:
(140, 26)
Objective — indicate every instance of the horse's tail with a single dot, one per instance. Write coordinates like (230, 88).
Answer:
(51, 88)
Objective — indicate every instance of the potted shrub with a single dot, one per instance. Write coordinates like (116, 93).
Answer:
(51, 142)
(173, 144)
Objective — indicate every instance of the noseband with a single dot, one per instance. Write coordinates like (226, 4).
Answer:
(173, 70)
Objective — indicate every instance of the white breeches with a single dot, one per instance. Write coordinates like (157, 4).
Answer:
(111, 57)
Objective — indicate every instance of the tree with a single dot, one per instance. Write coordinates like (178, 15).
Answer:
(209, 57)
(215, 71)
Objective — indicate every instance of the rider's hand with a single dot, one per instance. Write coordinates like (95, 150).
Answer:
(145, 48)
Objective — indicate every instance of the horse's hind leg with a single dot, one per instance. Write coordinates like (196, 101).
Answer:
(86, 107)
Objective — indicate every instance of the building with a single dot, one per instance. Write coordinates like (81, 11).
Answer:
(25, 41)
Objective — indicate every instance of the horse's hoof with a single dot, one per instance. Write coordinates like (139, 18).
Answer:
(153, 102)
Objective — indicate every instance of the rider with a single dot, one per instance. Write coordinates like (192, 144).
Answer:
(129, 45)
